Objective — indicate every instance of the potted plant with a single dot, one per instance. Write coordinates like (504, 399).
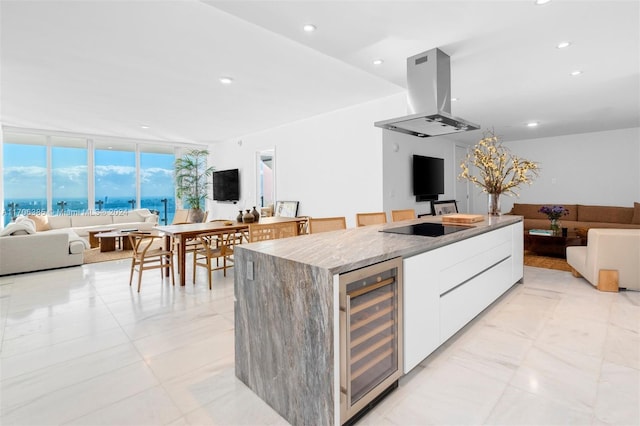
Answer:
(192, 181)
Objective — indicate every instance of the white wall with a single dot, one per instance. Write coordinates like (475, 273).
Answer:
(339, 164)
(332, 164)
(397, 167)
(601, 168)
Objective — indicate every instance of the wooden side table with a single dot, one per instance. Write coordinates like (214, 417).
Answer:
(94, 242)
(108, 241)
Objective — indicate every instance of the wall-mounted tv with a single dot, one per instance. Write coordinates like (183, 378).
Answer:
(428, 177)
(226, 185)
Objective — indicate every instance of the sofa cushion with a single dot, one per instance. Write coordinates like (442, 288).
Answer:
(41, 221)
(138, 215)
(127, 217)
(605, 214)
(636, 214)
(90, 220)
(531, 211)
(57, 222)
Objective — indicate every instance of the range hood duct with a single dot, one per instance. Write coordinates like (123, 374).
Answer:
(429, 97)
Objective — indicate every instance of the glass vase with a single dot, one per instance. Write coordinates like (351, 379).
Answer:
(555, 226)
(494, 205)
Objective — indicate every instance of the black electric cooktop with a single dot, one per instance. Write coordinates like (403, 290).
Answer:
(426, 229)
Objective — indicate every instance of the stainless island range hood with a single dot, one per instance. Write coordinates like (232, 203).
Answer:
(429, 97)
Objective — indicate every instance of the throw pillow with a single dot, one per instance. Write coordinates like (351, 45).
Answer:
(41, 221)
(636, 214)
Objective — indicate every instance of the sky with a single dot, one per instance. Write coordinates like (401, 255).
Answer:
(114, 173)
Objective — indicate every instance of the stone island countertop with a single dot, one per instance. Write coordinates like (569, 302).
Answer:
(287, 317)
(346, 250)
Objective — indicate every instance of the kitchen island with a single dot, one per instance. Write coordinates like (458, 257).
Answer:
(287, 309)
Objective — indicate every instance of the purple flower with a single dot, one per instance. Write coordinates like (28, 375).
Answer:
(554, 212)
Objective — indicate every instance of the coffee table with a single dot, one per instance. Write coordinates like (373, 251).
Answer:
(93, 241)
(108, 240)
(552, 245)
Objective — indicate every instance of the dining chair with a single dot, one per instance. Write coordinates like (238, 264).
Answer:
(191, 244)
(365, 219)
(214, 245)
(147, 255)
(180, 217)
(325, 224)
(406, 214)
(272, 231)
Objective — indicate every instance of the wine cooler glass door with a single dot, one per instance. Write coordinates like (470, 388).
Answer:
(371, 333)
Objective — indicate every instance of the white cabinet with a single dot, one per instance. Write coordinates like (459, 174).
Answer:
(421, 307)
(461, 305)
(447, 287)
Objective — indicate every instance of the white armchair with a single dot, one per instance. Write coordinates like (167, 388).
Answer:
(611, 259)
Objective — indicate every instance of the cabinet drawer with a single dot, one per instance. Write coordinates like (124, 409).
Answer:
(463, 303)
(472, 257)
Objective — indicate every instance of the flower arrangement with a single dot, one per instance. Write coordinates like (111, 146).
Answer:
(554, 212)
(500, 171)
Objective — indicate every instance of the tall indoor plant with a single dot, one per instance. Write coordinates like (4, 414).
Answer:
(192, 180)
(500, 171)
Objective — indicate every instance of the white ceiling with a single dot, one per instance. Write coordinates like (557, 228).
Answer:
(109, 67)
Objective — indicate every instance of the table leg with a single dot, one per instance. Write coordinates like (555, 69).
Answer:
(126, 243)
(167, 246)
(182, 259)
(93, 241)
(107, 244)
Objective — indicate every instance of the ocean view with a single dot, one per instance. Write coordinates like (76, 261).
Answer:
(78, 206)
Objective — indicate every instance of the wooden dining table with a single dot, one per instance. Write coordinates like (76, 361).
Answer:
(189, 231)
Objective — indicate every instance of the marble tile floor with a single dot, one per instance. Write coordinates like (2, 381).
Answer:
(79, 347)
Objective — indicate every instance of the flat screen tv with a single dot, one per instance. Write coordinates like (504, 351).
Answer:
(226, 185)
(428, 177)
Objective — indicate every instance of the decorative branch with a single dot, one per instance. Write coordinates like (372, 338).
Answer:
(500, 171)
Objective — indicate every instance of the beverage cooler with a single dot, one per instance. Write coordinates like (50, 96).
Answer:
(370, 336)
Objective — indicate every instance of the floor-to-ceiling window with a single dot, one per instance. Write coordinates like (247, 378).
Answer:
(67, 173)
(115, 175)
(69, 183)
(24, 175)
(156, 181)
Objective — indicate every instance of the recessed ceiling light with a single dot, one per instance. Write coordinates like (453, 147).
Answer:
(454, 99)
(309, 28)
(563, 44)
(576, 72)
(226, 80)
(541, 2)
(144, 127)
(378, 62)
(532, 124)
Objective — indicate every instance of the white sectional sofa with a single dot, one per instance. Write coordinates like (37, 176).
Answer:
(39, 251)
(614, 251)
(59, 241)
(141, 220)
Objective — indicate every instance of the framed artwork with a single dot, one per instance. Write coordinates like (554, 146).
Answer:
(286, 208)
(439, 208)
